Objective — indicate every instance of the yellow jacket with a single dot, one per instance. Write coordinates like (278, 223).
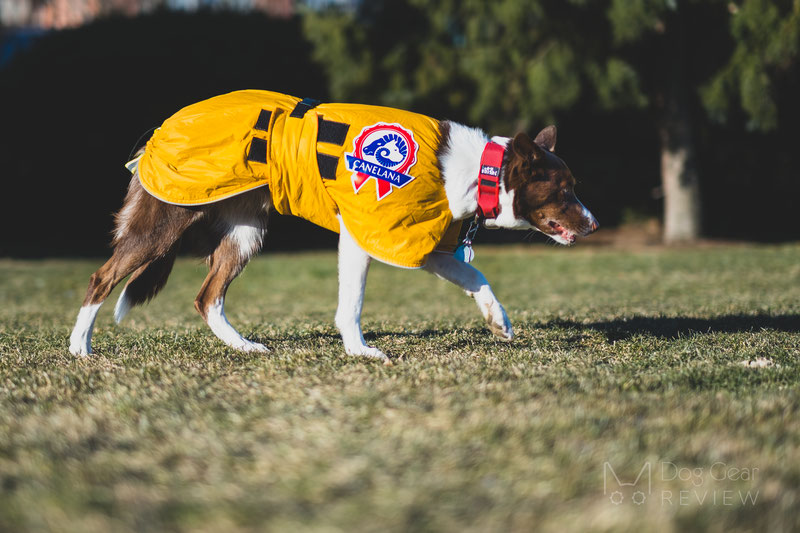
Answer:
(376, 167)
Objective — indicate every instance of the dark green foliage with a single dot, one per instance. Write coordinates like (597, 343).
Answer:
(505, 65)
(767, 43)
(526, 61)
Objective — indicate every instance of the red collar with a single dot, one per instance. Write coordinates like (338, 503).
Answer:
(489, 180)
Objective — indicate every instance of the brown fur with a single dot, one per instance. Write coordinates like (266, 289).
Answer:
(444, 144)
(149, 279)
(227, 260)
(149, 234)
(543, 185)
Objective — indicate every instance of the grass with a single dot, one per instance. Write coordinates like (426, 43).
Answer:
(623, 359)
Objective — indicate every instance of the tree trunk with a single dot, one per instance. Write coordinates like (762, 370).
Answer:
(679, 182)
(679, 177)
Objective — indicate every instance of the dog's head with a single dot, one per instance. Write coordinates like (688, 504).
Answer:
(540, 190)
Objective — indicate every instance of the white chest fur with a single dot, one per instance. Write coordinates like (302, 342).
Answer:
(461, 163)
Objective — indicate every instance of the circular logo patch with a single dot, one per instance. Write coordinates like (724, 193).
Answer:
(385, 152)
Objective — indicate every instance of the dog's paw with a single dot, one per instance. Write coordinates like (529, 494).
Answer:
(367, 351)
(255, 347)
(80, 349)
(493, 312)
(249, 346)
(498, 322)
(80, 345)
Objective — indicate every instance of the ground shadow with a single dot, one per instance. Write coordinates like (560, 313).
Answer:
(614, 330)
(372, 337)
(675, 327)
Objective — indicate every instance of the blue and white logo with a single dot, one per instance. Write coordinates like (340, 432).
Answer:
(389, 151)
(384, 152)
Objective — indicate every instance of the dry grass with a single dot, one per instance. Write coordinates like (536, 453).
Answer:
(625, 358)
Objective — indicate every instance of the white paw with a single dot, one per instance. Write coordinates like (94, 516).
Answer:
(498, 321)
(79, 348)
(367, 351)
(245, 345)
(251, 346)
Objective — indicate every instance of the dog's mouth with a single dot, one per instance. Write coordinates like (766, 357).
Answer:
(561, 234)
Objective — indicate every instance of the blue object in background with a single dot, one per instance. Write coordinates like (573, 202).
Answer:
(17, 40)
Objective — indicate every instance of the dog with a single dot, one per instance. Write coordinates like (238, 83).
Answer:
(210, 176)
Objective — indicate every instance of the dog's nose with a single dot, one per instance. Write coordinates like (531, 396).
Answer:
(592, 225)
(588, 217)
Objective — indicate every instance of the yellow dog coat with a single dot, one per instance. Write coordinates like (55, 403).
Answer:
(375, 167)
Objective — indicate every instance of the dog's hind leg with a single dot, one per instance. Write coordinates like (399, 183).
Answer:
(475, 285)
(102, 282)
(353, 268)
(146, 231)
(242, 237)
(145, 283)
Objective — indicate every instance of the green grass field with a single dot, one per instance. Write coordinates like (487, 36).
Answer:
(625, 363)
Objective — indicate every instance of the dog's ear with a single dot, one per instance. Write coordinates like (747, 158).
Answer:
(547, 138)
(525, 147)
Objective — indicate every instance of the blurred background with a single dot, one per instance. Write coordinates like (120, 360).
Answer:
(679, 118)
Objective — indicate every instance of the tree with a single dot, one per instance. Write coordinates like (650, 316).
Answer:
(670, 94)
(766, 36)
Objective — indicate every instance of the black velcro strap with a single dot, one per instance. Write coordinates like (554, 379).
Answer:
(263, 120)
(327, 166)
(258, 151)
(332, 132)
(302, 106)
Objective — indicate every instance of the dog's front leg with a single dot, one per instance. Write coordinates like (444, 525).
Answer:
(353, 268)
(475, 285)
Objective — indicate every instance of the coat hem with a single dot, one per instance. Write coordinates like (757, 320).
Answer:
(200, 202)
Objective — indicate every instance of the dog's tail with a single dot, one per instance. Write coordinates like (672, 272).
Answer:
(138, 148)
(149, 278)
(133, 164)
(145, 283)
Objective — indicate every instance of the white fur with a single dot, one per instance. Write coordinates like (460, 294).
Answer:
(248, 234)
(215, 317)
(125, 214)
(353, 267)
(505, 217)
(589, 216)
(80, 342)
(247, 237)
(475, 285)
(122, 307)
(461, 163)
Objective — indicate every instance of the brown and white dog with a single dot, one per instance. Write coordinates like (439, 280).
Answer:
(535, 192)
